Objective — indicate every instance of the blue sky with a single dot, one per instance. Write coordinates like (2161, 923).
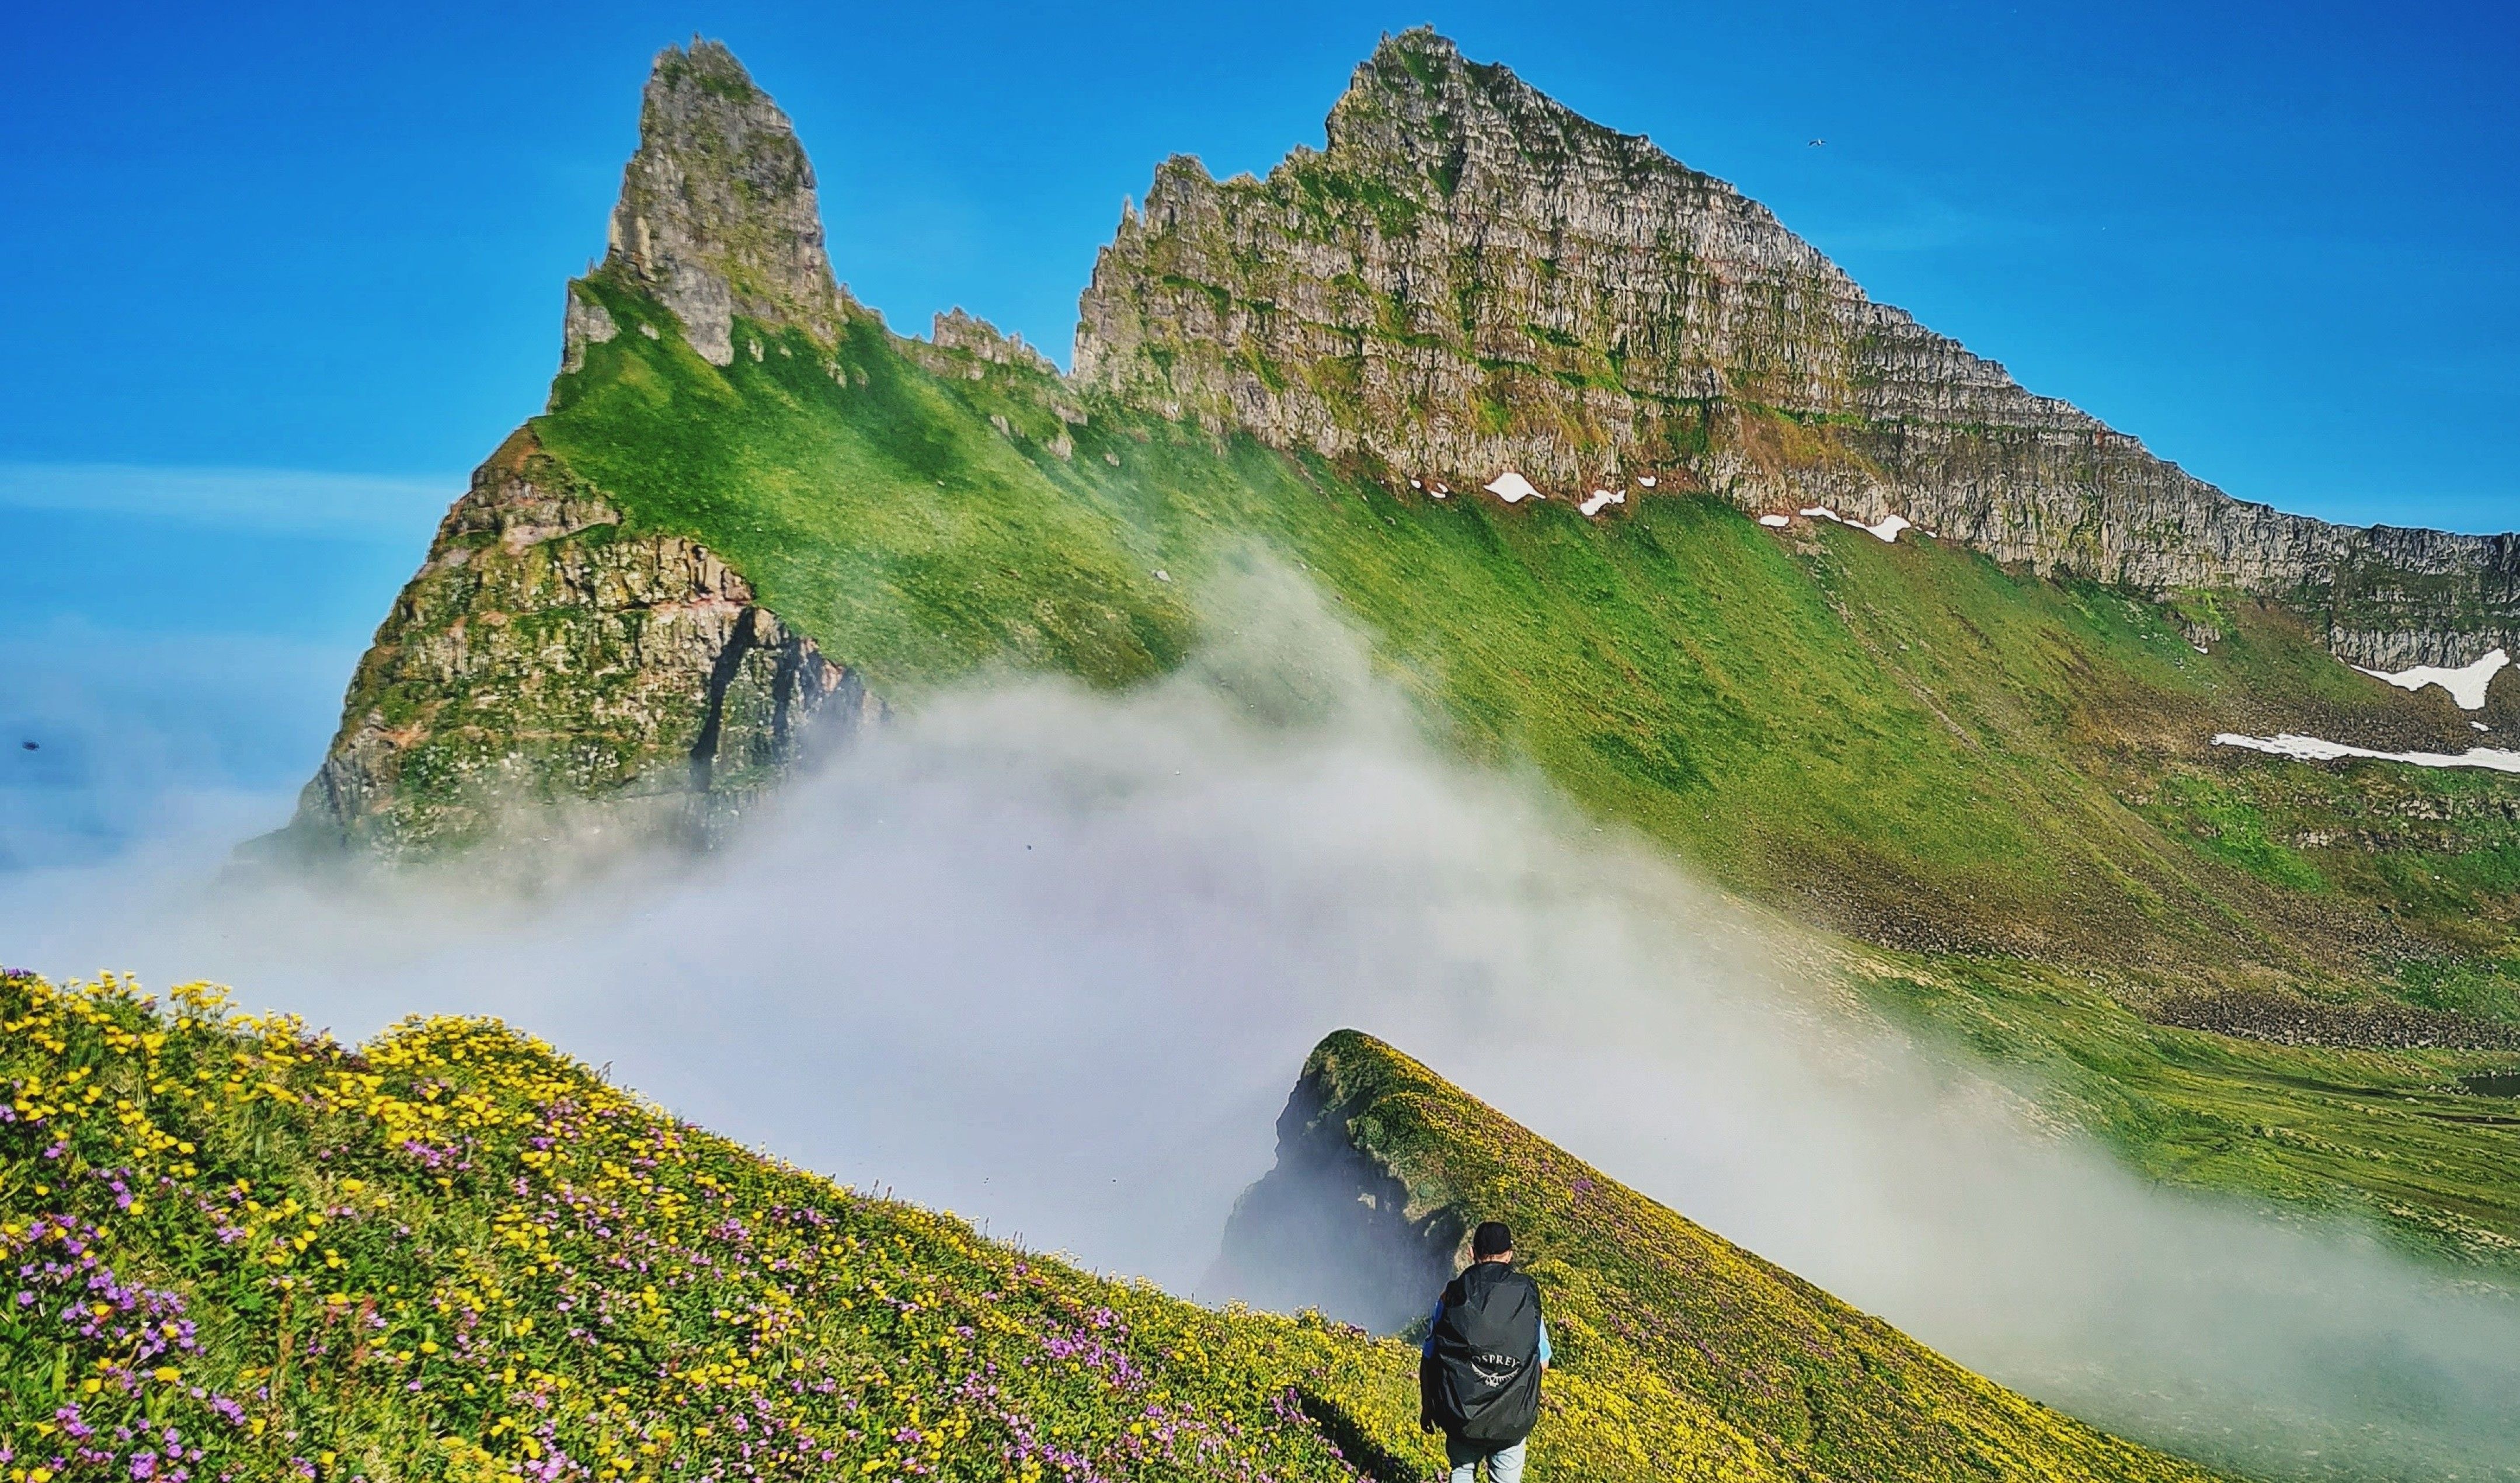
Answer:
(275, 279)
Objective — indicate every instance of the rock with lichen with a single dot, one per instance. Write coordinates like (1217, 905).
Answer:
(1469, 278)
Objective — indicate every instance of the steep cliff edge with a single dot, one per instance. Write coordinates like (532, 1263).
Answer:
(550, 652)
(1471, 278)
(543, 656)
(1700, 1357)
(718, 214)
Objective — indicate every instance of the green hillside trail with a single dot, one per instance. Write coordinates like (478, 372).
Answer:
(453, 1253)
(1981, 767)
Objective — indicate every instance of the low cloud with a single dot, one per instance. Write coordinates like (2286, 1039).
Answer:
(1050, 958)
(291, 500)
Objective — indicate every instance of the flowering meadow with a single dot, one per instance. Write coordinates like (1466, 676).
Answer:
(1677, 1353)
(235, 1250)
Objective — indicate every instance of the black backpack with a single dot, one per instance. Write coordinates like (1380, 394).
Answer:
(1480, 1378)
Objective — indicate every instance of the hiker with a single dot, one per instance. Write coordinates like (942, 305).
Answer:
(1478, 1376)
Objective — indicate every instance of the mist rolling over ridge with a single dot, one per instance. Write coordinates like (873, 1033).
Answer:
(1048, 957)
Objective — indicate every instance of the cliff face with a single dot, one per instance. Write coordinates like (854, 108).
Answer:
(542, 656)
(1471, 278)
(1332, 1226)
(546, 655)
(717, 215)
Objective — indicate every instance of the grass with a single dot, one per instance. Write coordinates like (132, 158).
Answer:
(1906, 739)
(241, 1252)
(246, 1253)
(1671, 1341)
(2383, 1136)
(2001, 776)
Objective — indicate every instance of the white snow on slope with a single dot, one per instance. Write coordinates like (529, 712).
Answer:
(1513, 488)
(2313, 749)
(1887, 530)
(2466, 684)
(1601, 498)
(1646, 480)
(1775, 522)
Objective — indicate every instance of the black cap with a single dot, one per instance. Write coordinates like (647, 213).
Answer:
(1492, 1238)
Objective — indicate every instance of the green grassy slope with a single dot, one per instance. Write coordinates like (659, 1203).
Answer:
(1922, 746)
(1660, 1323)
(1999, 776)
(2390, 1137)
(250, 1254)
(452, 1254)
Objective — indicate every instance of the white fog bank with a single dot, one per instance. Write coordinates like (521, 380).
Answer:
(1051, 959)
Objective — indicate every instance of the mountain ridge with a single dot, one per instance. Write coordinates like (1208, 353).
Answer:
(718, 219)
(2007, 783)
(452, 1254)
(1623, 315)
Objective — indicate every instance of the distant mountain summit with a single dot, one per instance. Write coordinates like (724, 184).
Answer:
(1471, 278)
(717, 215)
(543, 655)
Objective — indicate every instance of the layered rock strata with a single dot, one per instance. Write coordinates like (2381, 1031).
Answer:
(546, 658)
(1332, 1226)
(717, 215)
(542, 656)
(1472, 278)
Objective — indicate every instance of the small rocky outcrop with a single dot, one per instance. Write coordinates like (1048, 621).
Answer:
(977, 337)
(543, 657)
(1332, 1224)
(2290, 1020)
(1471, 278)
(717, 215)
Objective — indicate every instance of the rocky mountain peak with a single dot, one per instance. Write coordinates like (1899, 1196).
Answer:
(1421, 114)
(1472, 280)
(977, 337)
(717, 215)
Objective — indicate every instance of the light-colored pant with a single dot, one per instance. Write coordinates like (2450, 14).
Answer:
(1504, 1467)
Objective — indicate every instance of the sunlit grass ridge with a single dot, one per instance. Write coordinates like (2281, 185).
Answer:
(243, 1251)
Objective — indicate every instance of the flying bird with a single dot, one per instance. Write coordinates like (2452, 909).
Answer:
(1817, 143)
(30, 747)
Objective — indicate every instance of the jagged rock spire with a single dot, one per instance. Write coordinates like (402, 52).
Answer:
(717, 215)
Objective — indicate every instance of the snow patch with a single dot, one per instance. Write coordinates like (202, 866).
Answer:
(2313, 749)
(1602, 498)
(1887, 530)
(2466, 684)
(1646, 480)
(1513, 488)
(1775, 522)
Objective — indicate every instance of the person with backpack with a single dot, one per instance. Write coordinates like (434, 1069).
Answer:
(1478, 1375)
